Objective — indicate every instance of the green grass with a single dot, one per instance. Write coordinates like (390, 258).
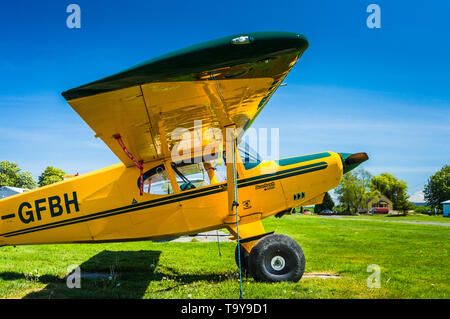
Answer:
(414, 262)
(409, 217)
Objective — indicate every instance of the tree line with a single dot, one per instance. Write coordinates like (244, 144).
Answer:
(12, 175)
(357, 188)
(437, 190)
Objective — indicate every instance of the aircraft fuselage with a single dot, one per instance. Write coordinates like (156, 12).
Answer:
(106, 205)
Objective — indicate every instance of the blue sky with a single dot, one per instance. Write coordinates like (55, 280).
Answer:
(384, 91)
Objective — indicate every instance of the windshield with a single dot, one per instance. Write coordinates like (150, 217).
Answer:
(249, 156)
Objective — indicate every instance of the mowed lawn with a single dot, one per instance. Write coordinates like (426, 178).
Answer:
(408, 218)
(413, 259)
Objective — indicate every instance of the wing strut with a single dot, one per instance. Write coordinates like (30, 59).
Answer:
(139, 164)
(233, 201)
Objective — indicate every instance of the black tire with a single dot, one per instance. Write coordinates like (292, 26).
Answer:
(276, 258)
(244, 259)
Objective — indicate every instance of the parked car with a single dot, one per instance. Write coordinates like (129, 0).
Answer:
(326, 212)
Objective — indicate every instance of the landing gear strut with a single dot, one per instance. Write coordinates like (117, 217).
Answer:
(274, 258)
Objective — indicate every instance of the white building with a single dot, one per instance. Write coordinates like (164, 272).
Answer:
(6, 191)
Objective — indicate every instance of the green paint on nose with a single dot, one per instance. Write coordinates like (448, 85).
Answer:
(351, 161)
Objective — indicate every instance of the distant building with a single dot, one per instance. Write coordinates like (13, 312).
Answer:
(446, 207)
(6, 191)
(379, 205)
(418, 199)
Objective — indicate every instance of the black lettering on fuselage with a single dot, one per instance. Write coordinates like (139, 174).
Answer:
(53, 204)
(74, 201)
(28, 213)
(39, 208)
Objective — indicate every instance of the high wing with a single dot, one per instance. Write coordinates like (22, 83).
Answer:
(222, 82)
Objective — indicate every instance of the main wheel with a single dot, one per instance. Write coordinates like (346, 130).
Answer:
(276, 258)
(244, 259)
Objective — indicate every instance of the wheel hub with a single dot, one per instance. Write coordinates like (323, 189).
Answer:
(278, 263)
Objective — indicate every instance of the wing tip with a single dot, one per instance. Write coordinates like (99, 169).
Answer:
(264, 41)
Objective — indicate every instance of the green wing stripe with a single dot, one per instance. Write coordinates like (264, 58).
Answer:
(187, 64)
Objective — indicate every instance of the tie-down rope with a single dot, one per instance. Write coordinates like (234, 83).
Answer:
(235, 205)
(139, 164)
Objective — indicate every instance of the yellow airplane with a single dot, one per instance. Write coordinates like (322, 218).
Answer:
(162, 189)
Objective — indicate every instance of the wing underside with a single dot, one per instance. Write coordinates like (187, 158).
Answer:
(216, 84)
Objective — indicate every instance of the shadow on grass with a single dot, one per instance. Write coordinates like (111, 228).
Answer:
(109, 274)
(9, 275)
(179, 279)
(117, 274)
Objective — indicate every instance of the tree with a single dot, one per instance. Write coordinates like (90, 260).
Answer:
(25, 180)
(51, 175)
(11, 175)
(354, 191)
(437, 190)
(327, 204)
(393, 188)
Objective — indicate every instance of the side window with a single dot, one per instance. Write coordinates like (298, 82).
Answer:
(190, 176)
(157, 182)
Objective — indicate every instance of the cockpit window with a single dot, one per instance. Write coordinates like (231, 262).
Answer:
(157, 182)
(195, 175)
(190, 176)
